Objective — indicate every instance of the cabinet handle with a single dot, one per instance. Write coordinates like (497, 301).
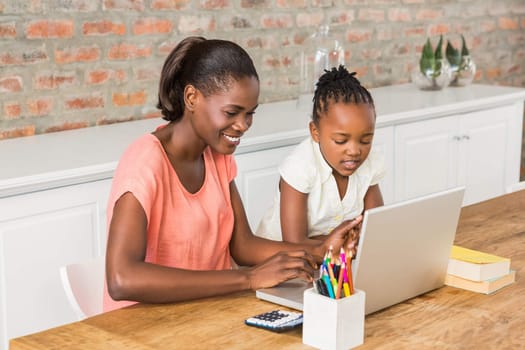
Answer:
(459, 138)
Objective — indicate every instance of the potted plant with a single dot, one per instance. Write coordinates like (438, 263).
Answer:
(462, 66)
(433, 72)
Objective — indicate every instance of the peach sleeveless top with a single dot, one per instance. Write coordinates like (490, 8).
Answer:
(185, 230)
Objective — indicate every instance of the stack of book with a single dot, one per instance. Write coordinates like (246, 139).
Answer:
(477, 271)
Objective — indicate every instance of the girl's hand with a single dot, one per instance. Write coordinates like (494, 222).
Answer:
(353, 240)
(282, 267)
(345, 235)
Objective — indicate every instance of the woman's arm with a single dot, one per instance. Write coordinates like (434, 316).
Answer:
(249, 249)
(130, 278)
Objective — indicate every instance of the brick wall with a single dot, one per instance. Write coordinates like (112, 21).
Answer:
(76, 63)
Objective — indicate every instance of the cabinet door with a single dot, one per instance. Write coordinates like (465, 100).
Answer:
(425, 157)
(384, 143)
(258, 180)
(487, 141)
(39, 232)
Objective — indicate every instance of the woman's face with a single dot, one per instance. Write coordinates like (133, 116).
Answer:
(345, 134)
(222, 118)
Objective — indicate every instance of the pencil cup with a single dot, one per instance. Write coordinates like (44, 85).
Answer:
(333, 323)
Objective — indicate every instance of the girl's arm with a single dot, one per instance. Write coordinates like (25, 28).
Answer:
(373, 197)
(278, 261)
(294, 219)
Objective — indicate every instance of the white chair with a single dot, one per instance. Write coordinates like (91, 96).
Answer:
(518, 186)
(84, 286)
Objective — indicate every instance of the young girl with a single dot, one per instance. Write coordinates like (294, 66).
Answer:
(175, 216)
(331, 176)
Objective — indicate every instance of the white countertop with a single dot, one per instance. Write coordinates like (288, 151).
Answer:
(75, 156)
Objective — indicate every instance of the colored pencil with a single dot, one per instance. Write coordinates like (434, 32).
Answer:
(340, 282)
(346, 288)
(349, 271)
(326, 280)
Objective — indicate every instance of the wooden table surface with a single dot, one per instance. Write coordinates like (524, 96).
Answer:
(446, 318)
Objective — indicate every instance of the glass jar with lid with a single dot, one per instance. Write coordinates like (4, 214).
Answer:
(321, 51)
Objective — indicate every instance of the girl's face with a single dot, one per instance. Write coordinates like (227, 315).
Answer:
(221, 119)
(345, 134)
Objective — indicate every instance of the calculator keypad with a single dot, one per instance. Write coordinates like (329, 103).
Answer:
(277, 320)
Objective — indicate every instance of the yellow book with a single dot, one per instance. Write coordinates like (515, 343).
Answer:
(475, 265)
(485, 287)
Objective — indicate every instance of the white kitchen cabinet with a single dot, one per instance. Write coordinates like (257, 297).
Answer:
(258, 180)
(425, 157)
(384, 143)
(39, 232)
(489, 151)
(477, 150)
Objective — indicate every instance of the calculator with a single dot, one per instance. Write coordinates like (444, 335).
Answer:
(276, 321)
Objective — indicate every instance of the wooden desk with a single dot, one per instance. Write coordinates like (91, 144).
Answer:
(446, 318)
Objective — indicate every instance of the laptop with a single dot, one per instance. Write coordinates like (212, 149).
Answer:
(403, 252)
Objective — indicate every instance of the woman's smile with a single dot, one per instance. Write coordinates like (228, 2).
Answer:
(235, 140)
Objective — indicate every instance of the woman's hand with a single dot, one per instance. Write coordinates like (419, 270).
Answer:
(282, 267)
(345, 235)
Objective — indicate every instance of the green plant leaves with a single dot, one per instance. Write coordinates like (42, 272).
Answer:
(430, 62)
(427, 63)
(438, 54)
(464, 49)
(452, 54)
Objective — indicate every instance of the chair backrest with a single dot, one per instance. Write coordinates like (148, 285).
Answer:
(518, 186)
(84, 285)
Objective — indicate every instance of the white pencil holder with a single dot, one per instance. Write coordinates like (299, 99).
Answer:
(333, 323)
